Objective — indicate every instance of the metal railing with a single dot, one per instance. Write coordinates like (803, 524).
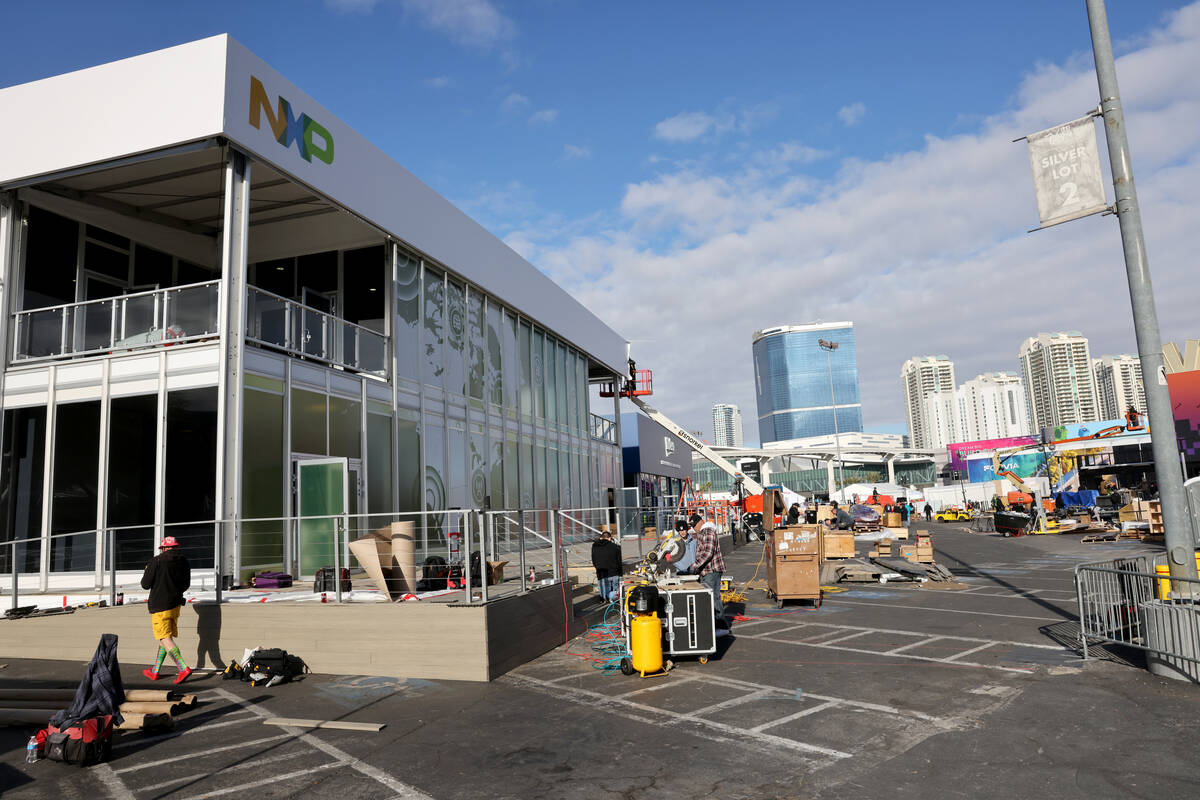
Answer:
(1127, 602)
(161, 317)
(603, 429)
(304, 331)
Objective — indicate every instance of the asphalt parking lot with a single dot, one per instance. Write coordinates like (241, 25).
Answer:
(889, 690)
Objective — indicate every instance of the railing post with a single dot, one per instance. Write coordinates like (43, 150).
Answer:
(521, 547)
(465, 524)
(13, 564)
(112, 567)
(337, 559)
(166, 312)
(112, 324)
(62, 344)
(555, 546)
(483, 562)
(1082, 621)
(16, 336)
(219, 550)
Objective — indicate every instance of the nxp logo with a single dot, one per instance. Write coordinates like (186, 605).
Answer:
(302, 130)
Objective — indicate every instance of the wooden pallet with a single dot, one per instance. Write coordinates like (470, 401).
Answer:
(1156, 522)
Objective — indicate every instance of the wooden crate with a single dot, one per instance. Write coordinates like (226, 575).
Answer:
(897, 533)
(908, 551)
(1156, 519)
(1136, 511)
(825, 512)
(883, 549)
(892, 519)
(839, 544)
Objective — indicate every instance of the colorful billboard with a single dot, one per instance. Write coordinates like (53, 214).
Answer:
(1185, 400)
(1029, 464)
(960, 450)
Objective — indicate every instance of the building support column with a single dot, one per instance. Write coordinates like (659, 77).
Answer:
(235, 239)
(832, 487)
(891, 468)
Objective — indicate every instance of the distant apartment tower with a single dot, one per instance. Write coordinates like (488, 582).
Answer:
(922, 377)
(992, 406)
(940, 419)
(1119, 385)
(792, 381)
(727, 425)
(1059, 386)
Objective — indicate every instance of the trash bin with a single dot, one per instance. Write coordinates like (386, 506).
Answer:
(1171, 628)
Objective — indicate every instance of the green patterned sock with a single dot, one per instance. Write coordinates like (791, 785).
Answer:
(162, 656)
(177, 657)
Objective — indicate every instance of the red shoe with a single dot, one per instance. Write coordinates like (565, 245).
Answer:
(151, 674)
(183, 675)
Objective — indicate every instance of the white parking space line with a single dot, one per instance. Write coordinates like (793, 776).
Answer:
(944, 610)
(921, 643)
(273, 779)
(198, 727)
(797, 715)
(663, 717)
(401, 789)
(254, 764)
(838, 628)
(762, 694)
(786, 693)
(653, 688)
(202, 753)
(844, 638)
(969, 652)
(115, 787)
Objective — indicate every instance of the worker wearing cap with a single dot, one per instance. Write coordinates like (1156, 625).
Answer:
(710, 565)
(167, 576)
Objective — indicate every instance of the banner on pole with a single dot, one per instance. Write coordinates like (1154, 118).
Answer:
(1066, 172)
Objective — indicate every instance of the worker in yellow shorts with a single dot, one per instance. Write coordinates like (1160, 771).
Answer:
(167, 576)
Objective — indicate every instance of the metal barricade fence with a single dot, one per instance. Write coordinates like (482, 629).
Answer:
(1126, 602)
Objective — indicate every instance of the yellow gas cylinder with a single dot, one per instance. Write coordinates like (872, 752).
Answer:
(645, 643)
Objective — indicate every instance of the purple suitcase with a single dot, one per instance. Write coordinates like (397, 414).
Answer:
(271, 580)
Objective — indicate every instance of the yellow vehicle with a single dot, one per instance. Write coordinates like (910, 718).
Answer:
(952, 515)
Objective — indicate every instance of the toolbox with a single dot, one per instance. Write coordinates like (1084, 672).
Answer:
(794, 563)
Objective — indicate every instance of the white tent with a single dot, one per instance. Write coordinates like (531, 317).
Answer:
(864, 490)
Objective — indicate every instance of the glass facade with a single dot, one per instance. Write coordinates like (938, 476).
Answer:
(490, 411)
(792, 382)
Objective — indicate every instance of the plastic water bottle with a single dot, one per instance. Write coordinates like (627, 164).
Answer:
(31, 751)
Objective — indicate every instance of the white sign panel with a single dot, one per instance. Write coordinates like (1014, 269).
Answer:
(1066, 172)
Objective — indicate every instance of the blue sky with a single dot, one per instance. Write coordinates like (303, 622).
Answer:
(694, 171)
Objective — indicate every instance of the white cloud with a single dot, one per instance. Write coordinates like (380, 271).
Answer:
(439, 82)
(543, 117)
(514, 102)
(852, 114)
(573, 151)
(925, 250)
(684, 127)
(472, 23)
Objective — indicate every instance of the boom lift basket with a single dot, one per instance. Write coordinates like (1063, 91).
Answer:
(640, 385)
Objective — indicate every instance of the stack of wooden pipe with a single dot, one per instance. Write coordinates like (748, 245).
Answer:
(143, 709)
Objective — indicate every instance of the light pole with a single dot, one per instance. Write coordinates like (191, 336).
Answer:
(829, 347)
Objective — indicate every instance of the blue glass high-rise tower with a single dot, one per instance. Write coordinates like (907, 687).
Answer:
(791, 381)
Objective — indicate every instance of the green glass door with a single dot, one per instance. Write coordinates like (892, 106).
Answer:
(321, 489)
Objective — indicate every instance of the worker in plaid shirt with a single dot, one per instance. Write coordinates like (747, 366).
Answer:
(710, 565)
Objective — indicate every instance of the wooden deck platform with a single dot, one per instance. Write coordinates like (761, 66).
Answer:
(444, 641)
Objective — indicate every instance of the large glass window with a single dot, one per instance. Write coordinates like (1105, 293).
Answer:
(363, 272)
(345, 428)
(456, 463)
(475, 349)
(456, 334)
(512, 391)
(526, 472)
(496, 486)
(539, 375)
(551, 383)
(308, 423)
(525, 353)
(21, 482)
(494, 371)
(132, 432)
(191, 470)
(512, 486)
(51, 253)
(379, 459)
(553, 497)
(264, 473)
(477, 465)
(434, 336)
(409, 478)
(436, 494)
(408, 316)
(560, 387)
(76, 470)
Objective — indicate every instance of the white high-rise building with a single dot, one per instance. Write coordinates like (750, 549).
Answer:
(1119, 385)
(1059, 386)
(940, 413)
(923, 376)
(727, 425)
(992, 406)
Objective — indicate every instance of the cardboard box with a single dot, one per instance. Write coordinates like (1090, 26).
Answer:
(908, 551)
(495, 572)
